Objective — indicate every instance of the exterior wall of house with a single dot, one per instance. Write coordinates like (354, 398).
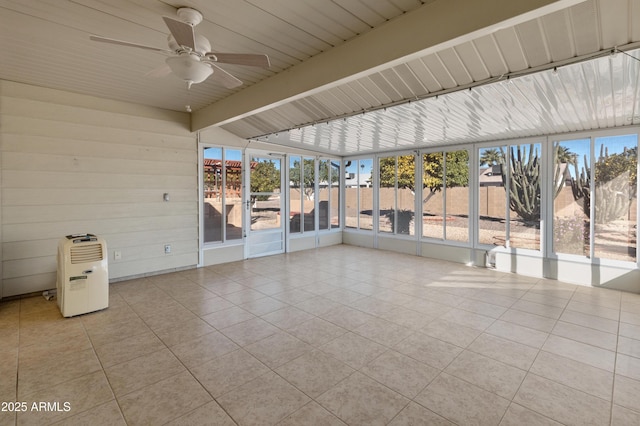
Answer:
(74, 164)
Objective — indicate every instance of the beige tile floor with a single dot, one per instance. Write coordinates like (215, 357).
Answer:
(340, 335)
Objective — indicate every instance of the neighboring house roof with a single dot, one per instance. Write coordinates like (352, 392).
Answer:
(490, 176)
(214, 163)
(354, 180)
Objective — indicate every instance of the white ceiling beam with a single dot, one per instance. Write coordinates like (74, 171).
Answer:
(432, 27)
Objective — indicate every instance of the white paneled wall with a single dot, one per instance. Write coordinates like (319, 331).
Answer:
(73, 163)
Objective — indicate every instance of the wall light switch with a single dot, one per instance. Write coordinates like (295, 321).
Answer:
(165, 196)
(167, 248)
(117, 255)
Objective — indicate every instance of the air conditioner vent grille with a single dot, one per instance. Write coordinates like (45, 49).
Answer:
(86, 253)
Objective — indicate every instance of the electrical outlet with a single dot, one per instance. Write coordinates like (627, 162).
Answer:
(117, 255)
(167, 248)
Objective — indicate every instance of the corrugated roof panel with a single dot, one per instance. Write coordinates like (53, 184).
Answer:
(511, 49)
(307, 109)
(578, 97)
(491, 55)
(398, 82)
(423, 74)
(615, 31)
(330, 102)
(372, 88)
(350, 104)
(558, 34)
(360, 94)
(631, 91)
(583, 95)
(241, 128)
(584, 19)
(385, 87)
(260, 124)
(475, 66)
(533, 43)
(294, 114)
(409, 78)
(439, 71)
(455, 67)
(634, 19)
(316, 106)
(275, 119)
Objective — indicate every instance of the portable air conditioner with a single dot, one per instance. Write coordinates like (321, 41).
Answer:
(83, 277)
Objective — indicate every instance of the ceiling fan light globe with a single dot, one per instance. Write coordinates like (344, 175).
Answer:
(202, 44)
(189, 68)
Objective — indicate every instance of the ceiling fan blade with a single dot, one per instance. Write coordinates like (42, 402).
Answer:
(250, 59)
(223, 77)
(182, 32)
(126, 43)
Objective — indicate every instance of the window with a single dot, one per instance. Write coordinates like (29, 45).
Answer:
(222, 185)
(308, 189)
(305, 202)
(571, 195)
(301, 194)
(324, 185)
(524, 183)
(358, 194)
(334, 197)
(615, 198)
(265, 192)
(510, 176)
(492, 197)
(396, 192)
(596, 181)
(296, 197)
(445, 195)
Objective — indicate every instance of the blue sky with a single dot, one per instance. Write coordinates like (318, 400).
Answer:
(367, 162)
(231, 154)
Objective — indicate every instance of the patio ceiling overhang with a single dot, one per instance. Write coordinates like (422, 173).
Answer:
(593, 94)
(389, 56)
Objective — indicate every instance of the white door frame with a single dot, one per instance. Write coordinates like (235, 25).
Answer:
(264, 242)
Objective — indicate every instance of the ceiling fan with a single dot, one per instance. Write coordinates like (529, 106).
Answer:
(190, 57)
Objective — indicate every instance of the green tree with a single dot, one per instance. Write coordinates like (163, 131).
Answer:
(405, 175)
(609, 167)
(265, 177)
(457, 166)
(491, 157)
(308, 174)
(565, 156)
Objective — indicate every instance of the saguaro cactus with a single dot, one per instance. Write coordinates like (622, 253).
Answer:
(615, 183)
(524, 183)
(581, 186)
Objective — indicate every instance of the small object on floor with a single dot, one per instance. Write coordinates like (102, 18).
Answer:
(49, 294)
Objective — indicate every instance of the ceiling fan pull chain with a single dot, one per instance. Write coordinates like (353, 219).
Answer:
(187, 107)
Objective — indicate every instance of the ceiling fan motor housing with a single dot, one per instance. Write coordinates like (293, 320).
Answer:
(189, 15)
(202, 44)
